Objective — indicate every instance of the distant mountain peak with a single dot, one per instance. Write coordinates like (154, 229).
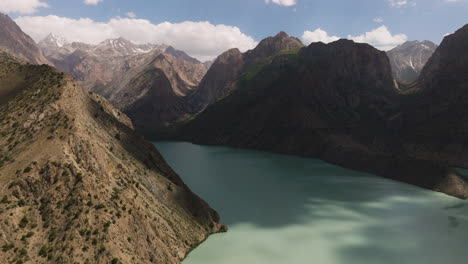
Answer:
(426, 44)
(53, 40)
(124, 47)
(409, 58)
(116, 42)
(273, 45)
(282, 34)
(180, 54)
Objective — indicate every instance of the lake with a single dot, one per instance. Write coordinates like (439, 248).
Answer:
(290, 210)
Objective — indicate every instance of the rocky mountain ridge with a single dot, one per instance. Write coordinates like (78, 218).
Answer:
(219, 81)
(80, 185)
(53, 44)
(14, 41)
(104, 67)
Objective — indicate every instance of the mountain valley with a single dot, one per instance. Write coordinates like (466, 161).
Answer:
(306, 151)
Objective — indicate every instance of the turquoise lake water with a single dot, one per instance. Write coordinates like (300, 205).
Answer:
(290, 210)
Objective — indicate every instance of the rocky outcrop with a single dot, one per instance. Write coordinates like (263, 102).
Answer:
(14, 41)
(79, 185)
(409, 58)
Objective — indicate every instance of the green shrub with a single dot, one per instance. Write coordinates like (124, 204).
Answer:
(24, 221)
(7, 247)
(23, 252)
(100, 206)
(52, 235)
(5, 200)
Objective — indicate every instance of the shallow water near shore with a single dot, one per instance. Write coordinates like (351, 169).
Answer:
(284, 209)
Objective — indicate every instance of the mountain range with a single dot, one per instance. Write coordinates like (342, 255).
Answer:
(340, 102)
(147, 82)
(343, 102)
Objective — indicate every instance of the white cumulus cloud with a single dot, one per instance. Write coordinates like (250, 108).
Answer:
(318, 35)
(21, 6)
(202, 40)
(131, 14)
(282, 2)
(380, 37)
(378, 20)
(92, 2)
(400, 3)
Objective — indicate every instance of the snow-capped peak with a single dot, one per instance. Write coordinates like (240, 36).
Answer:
(53, 40)
(424, 46)
(125, 47)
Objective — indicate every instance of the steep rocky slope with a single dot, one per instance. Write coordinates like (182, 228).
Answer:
(153, 95)
(14, 41)
(219, 81)
(78, 185)
(435, 115)
(336, 102)
(409, 58)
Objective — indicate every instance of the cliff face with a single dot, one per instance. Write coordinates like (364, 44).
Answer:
(435, 116)
(218, 81)
(79, 185)
(337, 102)
(14, 41)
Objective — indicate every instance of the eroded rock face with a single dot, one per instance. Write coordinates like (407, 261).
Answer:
(14, 41)
(78, 184)
(409, 58)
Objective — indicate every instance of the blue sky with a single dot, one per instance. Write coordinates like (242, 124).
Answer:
(416, 19)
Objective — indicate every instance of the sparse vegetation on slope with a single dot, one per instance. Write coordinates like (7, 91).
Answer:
(79, 185)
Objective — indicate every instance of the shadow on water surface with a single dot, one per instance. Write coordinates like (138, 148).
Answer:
(360, 217)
